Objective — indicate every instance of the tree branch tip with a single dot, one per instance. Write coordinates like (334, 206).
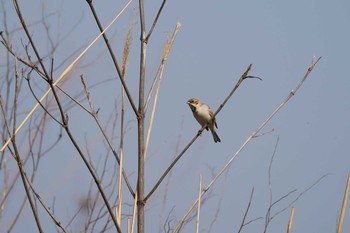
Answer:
(264, 133)
(253, 77)
(315, 59)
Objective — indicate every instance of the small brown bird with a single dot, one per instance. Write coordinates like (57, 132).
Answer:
(204, 116)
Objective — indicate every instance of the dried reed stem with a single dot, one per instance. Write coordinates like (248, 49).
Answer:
(159, 77)
(343, 208)
(199, 203)
(289, 229)
(134, 214)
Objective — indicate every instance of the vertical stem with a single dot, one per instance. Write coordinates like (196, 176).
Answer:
(343, 208)
(289, 229)
(17, 156)
(120, 181)
(199, 203)
(141, 127)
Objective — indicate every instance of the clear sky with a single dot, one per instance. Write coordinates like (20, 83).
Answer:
(216, 43)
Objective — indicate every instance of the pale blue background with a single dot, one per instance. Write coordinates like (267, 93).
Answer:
(216, 43)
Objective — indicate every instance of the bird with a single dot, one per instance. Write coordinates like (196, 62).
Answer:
(204, 116)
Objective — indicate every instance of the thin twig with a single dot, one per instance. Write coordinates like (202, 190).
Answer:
(25, 28)
(300, 195)
(29, 64)
(74, 100)
(268, 217)
(41, 105)
(155, 21)
(52, 216)
(246, 211)
(95, 116)
(268, 213)
(112, 54)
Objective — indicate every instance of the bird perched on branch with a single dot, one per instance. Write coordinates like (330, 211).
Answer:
(204, 116)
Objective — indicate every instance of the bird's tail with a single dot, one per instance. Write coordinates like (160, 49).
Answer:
(215, 136)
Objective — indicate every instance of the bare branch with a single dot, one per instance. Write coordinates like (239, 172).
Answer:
(301, 194)
(194, 138)
(52, 216)
(246, 211)
(114, 59)
(310, 68)
(24, 26)
(155, 21)
(41, 105)
(95, 116)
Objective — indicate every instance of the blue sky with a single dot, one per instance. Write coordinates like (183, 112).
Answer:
(216, 43)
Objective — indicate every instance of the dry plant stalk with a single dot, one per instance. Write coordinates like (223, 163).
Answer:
(134, 214)
(120, 178)
(159, 77)
(229, 162)
(199, 202)
(120, 187)
(289, 230)
(343, 208)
